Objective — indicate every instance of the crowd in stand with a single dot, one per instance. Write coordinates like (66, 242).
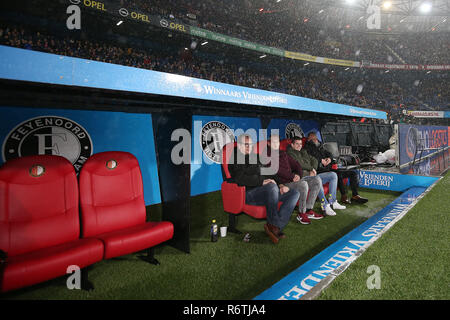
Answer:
(355, 87)
(285, 30)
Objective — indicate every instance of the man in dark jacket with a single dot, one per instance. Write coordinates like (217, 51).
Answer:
(324, 158)
(261, 189)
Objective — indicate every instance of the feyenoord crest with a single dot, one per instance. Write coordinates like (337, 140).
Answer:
(293, 130)
(50, 135)
(37, 171)
(214, 136)
(111, 164)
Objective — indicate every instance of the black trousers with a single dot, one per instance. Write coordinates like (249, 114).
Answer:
(352, 175)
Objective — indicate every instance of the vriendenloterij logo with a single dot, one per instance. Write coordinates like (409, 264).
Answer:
(50, 135)
(293, 130)
(214, 136)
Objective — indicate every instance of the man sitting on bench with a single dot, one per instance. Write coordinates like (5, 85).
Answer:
(262, 190)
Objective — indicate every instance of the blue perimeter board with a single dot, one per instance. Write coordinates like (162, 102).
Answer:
(300, 281)
(27, 65)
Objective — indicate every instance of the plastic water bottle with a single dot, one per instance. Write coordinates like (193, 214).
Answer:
(214, 231)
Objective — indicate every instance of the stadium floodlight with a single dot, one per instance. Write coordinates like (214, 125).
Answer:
(387, 4)
(425, 7)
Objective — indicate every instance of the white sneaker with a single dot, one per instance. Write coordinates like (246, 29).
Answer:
(329, 211)
(337, 206)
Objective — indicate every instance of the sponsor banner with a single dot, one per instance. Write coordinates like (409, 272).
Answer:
(342, 252)
(392, 181)
(26, 65)
(76, 135)
(109, 7)
(405, 66)
(206, 34)
(210, 134)
(419, 142)
(339, 62)
(426, 114)
(300, 56)
(434, 165)
(307, 57)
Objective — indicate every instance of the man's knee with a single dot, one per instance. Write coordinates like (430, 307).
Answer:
(272, 188)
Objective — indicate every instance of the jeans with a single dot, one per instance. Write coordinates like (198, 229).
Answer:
(308, 184)
(353, 176)
(269, 195)
(332, 178)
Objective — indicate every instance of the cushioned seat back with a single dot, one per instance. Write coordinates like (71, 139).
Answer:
(111, 193)
(38, 204)
(227, 152)
(284, 144)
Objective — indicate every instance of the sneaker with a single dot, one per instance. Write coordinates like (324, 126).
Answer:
(359, 199)
(313, 215)
(303, 218)
(329, 211)
(337, 206)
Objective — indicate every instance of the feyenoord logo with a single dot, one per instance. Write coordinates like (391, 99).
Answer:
(412, 142)
(51, 135)
(294, 130)
(111, 164)
(37, 171)
(214, 136)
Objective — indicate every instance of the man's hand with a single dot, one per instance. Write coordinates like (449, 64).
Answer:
(283, 189)
(326, 162)
(313, 173)
(296, 178)
(268, 181)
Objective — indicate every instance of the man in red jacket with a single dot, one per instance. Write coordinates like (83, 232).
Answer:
(290, 174)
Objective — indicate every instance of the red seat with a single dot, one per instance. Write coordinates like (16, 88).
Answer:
(113, 207)
(233, 196)
(39, 222)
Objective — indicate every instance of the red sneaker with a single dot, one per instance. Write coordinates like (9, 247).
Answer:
(303, 218)
(314, 215)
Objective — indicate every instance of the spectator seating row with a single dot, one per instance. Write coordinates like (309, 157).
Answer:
(42, 232)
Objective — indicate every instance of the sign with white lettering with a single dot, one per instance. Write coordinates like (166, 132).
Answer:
(342, 252)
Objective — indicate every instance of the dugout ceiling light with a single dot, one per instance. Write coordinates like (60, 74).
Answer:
(387, 5)
(425, 7)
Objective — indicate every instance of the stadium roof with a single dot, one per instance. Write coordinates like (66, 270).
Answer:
(397, 16)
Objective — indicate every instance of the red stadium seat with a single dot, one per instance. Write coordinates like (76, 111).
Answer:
(113, 208)
(233, 196)
(39, 222)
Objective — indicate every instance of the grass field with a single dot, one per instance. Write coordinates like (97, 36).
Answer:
(413, 256)
(228, 269)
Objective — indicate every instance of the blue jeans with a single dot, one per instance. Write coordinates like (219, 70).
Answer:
(269, 195)
(332, 178)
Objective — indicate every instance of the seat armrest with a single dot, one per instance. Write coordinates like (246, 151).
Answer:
(233, 197)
